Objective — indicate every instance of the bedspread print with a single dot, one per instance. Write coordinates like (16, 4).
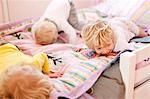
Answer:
(79, 72)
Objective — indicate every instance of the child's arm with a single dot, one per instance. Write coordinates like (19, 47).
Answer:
(54, 75)
(41, 61)
(134, 28)
(70, 31)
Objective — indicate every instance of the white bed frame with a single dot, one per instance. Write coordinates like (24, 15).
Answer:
(131, 76)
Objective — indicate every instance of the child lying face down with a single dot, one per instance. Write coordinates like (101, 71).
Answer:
(60, 15)
(111, 35)
(21, 75)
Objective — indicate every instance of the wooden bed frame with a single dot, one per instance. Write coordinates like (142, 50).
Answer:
(131, 76)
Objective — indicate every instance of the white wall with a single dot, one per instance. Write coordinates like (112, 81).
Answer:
(21, 9)
(85, 3)
(1, 15)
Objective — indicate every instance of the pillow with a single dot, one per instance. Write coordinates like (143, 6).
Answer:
(117, 7)
(141, 14)
(136, 10)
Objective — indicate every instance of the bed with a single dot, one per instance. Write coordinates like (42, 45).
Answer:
(117, 81)
(127, 78)
(137, 83)
(132, 81)
(125, 71)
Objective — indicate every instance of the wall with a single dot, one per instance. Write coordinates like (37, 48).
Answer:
(86, 3)
(14, 10)
(21, 9)
(1, 15)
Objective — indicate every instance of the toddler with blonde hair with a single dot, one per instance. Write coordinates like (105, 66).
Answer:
(24, 82)
(46, 33)
(60, 15)
(24, 76)
(111, 35)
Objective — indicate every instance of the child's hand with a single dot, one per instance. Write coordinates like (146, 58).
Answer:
(111, 55)
(78, 49)
(54, 75)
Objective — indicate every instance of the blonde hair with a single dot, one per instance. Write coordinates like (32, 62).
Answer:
(22, 83)
(41, 28)
(97, 34)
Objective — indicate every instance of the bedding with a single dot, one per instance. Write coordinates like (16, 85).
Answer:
(142, 40)
(71, 60)
(110, 84)
(20, 35)
(81, 70)
(141, 13)
(117, 7)
(137, 10)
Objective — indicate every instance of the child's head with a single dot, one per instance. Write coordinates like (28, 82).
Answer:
(45, 32)
(24, 82)
(99, 36)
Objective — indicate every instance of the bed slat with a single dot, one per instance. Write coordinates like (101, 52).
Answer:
(142, 74)
(142, 92)
(131, 76)
(127, 68)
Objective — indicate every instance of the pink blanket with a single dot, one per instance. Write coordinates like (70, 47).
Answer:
(25, 41)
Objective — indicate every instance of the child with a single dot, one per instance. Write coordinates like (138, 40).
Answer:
(60, 15)
(24, 82)
(21, 75)
(27, 82)
(111, 35)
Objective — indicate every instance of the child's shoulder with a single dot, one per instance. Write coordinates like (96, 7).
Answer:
(8, 46)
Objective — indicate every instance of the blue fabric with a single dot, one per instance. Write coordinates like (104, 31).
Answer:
(142, 40)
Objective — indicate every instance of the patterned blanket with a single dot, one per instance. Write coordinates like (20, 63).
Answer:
(82, 70)
(65, 59)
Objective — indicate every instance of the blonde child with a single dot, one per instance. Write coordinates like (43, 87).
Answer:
(111, 35)
(21, 75)
(26, 81)
(60, 15)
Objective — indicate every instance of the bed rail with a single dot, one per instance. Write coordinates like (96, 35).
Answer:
(130, 75)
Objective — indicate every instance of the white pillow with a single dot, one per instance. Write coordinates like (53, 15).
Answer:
(141, 15)
(117, 7)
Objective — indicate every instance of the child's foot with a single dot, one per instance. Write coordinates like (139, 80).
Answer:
(90, 91)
